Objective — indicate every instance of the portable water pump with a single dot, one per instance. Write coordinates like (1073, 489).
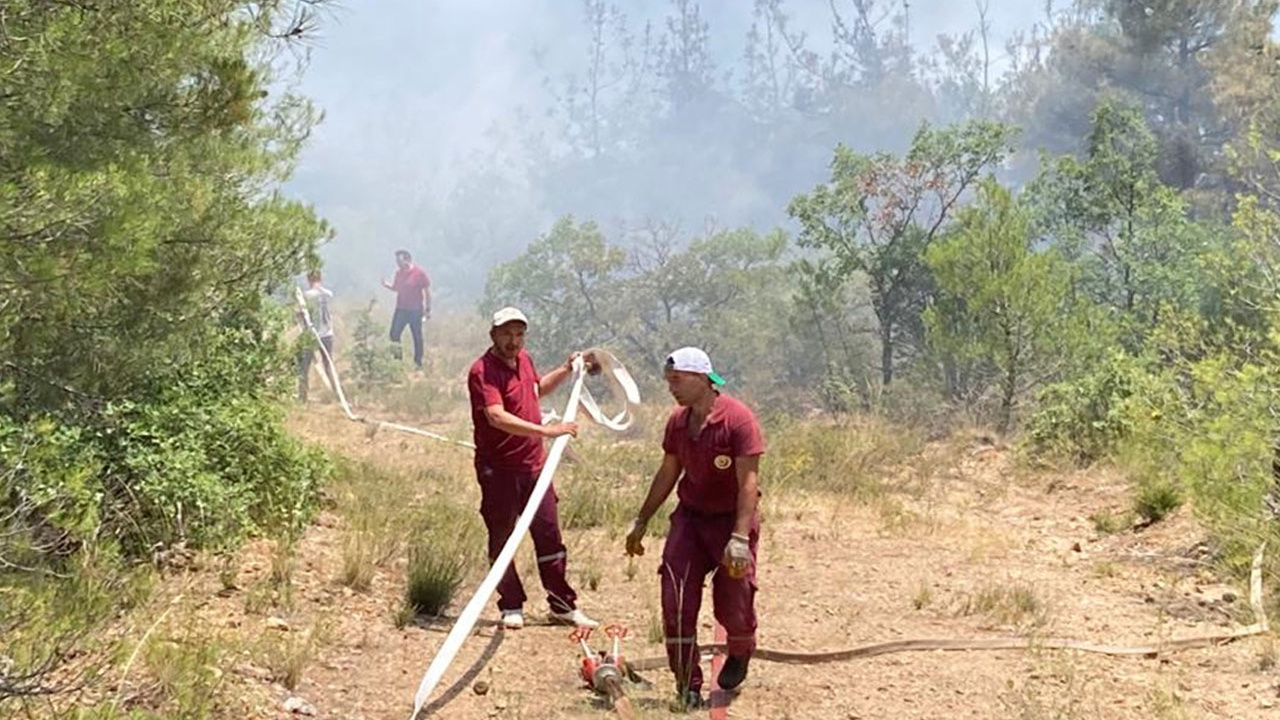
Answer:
(604, 671)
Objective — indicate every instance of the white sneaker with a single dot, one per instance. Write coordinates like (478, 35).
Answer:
(574, 617)
(512, 619)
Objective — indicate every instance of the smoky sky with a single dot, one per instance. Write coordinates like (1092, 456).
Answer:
(416, 92)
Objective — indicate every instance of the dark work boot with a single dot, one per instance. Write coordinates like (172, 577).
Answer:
(733, 672)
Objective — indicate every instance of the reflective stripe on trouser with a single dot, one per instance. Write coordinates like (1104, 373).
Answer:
(693, 549)
(503, 495)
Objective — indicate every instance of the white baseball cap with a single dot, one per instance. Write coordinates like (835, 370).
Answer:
(509, 314)
(694, 360)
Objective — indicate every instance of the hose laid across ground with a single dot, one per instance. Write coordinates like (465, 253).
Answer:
(1259, 627)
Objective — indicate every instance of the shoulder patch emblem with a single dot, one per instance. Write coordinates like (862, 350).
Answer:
(723, 462)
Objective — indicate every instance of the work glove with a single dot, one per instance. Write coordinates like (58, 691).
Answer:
(634, 537)
(737, 556)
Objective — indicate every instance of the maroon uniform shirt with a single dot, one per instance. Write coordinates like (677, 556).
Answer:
(709, 483)
(492, 382)
(409, 284)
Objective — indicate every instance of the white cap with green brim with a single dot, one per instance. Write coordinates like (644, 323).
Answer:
(694, 360)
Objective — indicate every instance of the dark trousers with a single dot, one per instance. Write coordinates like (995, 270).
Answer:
(306, 357)
(694, 548)
(411, 319)
(503, 495)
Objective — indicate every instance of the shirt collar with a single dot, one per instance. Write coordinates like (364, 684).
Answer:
(497, 360)
(715, 416)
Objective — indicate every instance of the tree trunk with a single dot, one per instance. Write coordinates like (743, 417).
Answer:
(1006, 401)
(886, 353)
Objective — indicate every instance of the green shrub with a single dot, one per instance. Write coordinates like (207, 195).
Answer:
(1157, 500)
(1205, 432)
(442, 549)
(372, 362)
(186, 467)
(435, 573)
(1084, 419)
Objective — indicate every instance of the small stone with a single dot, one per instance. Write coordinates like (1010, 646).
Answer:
(275, 623)
(480, 688)
(1075, 546)
(1228, 597)
(298, 706)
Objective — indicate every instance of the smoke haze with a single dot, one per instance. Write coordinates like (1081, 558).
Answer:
(447, 130)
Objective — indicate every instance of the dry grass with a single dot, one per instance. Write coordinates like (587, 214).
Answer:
(1014, 604)
(1055, 690)
(923, 596)
(370, 500)
(287, 655)
(854, 458)
(275, 589)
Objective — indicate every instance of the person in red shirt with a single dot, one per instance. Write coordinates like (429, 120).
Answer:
(413, 302)
(507, 418)
(712, 447)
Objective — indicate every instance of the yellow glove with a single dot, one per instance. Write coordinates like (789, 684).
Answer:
(737, 555)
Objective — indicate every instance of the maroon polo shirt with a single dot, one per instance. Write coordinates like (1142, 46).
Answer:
(493, 382)
(409, 283)
(709, 483)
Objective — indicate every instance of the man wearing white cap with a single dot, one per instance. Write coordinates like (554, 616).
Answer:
(712, 447)
(506, 413)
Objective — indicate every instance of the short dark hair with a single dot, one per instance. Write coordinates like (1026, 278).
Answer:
(313, 275)
(404, 253)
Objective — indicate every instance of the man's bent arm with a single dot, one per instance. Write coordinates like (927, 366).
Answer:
(548, 383)
(748, 470)
(499, 418)
(663, 482)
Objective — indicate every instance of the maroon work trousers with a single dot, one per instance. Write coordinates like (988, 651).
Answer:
(694, 548)
(503, 495)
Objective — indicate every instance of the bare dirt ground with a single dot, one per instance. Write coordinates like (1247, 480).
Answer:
(970, 546)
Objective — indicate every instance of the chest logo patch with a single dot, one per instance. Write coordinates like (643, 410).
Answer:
(723, 462)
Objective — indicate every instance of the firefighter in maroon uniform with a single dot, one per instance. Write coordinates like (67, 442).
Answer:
(712, 447)
(504, 389)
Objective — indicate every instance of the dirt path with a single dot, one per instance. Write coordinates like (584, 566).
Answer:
(976, 550)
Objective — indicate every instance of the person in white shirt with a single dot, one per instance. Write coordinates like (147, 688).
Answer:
(317, 298)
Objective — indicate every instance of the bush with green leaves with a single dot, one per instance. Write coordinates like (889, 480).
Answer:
(1083, 419)
(190, 465)
(372, 363)
(1208, 433)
